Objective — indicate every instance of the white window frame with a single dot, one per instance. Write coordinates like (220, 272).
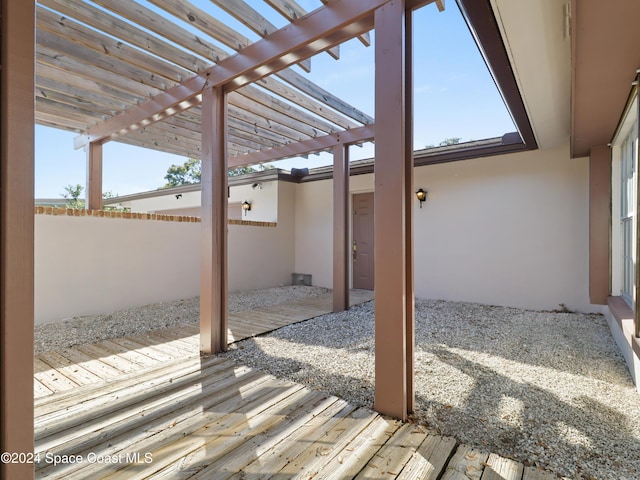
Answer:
(624, 201)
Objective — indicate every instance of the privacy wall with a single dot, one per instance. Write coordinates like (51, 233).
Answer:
(91, 264)
(506, 230)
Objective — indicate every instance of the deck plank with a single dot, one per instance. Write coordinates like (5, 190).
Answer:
(90, 363)
(127, 353)
(500, 468)
(160, 441)
(39, 390)
(389, 461)
(430, 459)
(143, 347)
(360, 450)
(277, 457)
(104, 393)
(466, 464)
(50, 377)
(535, 473)
(331, 444)
(171, 424)
(116, 361)
(72, 371)
(224, 440)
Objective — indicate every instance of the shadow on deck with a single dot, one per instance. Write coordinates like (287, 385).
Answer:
(150, 407)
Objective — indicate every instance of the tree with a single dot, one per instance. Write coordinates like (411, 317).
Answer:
(446, 142)
(190, 172)
(72, 195)
(186, 174)
(450, 141)
(234, 172)
(73, 192)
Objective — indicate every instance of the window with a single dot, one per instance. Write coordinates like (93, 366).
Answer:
(624, 205)
(628, 170)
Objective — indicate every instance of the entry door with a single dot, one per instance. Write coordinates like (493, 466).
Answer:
(362, 244)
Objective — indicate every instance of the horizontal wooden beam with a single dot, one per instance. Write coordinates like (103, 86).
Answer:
(316, 32)
(313, 145)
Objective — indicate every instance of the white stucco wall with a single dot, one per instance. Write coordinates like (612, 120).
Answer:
(87, 265)
(506, 230)
(263, 257)
(263, 199)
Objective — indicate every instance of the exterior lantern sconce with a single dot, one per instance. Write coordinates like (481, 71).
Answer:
(246, 206)
(421, 195)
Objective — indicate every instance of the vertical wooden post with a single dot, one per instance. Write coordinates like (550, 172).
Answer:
(636, 313)
(409, 204)
(393, 305)
(213, 268)
(16, 233)
(94, 176)
(599, 224)
(340, 228)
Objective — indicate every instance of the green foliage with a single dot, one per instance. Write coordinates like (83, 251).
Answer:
(186, 174)
(190, 172)
(446, 142)
(72, 195)
(450, 141)
(73, 192)
(234, 172)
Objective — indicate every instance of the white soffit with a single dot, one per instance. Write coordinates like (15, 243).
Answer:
(536, 36)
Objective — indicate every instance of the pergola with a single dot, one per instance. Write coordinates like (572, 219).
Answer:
(179, 93)
(149, 82)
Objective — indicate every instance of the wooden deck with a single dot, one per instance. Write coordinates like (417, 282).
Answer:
(150, 407)
(211, 419)
(86, 364)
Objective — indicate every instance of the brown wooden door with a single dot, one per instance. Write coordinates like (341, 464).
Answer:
(362, 245)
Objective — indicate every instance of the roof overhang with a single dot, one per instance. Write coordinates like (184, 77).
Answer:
(605, 56)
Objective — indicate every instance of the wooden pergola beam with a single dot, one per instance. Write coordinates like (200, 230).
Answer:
(313, 145)
(321, 29)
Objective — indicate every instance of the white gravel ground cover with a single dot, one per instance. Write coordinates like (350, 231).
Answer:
(544, 388)
(95, 328)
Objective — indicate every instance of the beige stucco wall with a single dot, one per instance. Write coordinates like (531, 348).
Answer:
(87, 265)
(263, 257)
(263, 199)
(506, 230)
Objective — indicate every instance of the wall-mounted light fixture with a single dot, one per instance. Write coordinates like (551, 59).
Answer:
(421, 195)
(257, 185)
(246, 206)
(178, 196)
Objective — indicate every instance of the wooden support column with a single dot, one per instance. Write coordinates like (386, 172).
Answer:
(16, 233)
(393, 296)
(599, 224)
(409, 203)
(340, 228)
(636, 313)
(94, 176)
(213, 268)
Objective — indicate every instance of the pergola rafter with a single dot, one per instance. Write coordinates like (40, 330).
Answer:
(319, 30)
(138, 54)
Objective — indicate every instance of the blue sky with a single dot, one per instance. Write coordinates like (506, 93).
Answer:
(454, 97)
